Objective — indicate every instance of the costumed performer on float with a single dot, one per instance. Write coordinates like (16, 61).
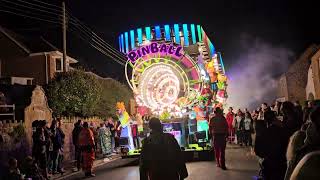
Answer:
(202, 117)
(124, 119)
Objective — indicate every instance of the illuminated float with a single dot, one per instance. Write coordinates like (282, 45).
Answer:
(175, 73)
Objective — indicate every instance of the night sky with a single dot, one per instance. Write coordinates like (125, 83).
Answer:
(286, 23)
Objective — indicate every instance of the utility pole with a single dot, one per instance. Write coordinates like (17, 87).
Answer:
(64, 36)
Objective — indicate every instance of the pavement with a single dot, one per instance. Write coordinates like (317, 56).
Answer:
(241, 163)
(69, 168)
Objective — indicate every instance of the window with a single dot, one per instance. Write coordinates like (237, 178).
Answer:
(58, 64)
(29, 82)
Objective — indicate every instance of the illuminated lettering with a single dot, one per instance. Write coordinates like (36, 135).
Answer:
(153, 48)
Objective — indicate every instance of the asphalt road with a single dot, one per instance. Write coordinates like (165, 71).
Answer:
(241, 164)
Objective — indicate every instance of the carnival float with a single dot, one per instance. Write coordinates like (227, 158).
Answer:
(175, 74)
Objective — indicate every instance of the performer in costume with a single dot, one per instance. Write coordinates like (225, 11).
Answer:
(124, 119)
(202, 118)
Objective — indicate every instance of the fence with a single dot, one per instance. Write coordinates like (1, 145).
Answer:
(6, 113)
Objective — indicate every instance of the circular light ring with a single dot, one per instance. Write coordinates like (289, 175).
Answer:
(186, 78)
(136, 74)
(150, 90)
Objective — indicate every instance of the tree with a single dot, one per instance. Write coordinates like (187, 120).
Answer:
(112, 92)
(73, 93)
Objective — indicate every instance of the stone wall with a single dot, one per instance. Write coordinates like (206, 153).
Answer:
(297, 76)
(282, 88)
(67, 127)
(37, 110)
(316, 73)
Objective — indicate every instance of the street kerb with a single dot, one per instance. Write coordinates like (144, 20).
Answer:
(96, 164)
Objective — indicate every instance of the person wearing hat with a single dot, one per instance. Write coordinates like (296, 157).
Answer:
(161, 156)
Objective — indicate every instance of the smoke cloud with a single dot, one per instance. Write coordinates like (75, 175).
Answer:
(253, 75)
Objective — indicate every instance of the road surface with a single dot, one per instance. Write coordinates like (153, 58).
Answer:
(241, 164)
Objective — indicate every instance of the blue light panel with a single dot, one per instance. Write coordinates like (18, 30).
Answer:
(199, 33)
(122, 43)
(176, 33)
(126, 41)
(212, 48)
(193, 34)
(120, 48)
(158, 32)
(139, 32)
(148, 33)
(133, 43)
(185, 34)
(221, 61)
(167, 32)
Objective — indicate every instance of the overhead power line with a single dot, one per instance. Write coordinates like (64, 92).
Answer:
(42, 11)
(76, 21)
(27, 16)
(95, 46)
(97, 39)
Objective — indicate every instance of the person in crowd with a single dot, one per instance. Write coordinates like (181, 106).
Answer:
(134, 131)
(31, 170)
(13, 170)
(230, 118)
(87, 146)
(104, 135)
(49, 146)
(271, 147)
(248, 129)
(238, 125)
(118, 129)
(259, 128)
(306, 110)
(168, 163)
(304, 141)
(93, 128)
(277, 107)
(219, 131)
(299, 112)
(40, 149)
(112, 129)
(308, 167)
(60, 138)
(75, 137)
(290, 118)
(57, 140)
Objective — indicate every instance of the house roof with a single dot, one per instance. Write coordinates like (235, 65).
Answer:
(29, 43)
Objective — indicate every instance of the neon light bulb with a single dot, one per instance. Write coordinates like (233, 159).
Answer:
(148, 33)
(193, 34)
(177, 33)
(185, 34)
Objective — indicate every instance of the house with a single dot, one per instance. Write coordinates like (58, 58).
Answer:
(292, 84)
(29, 61)
(313, 83)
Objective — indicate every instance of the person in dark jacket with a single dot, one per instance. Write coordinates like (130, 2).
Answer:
(161, 156)
(290, 118)
(272, 148)
(31, 170)
(75, 137)
(40, 151)
(61, 137)
(299, 113)
(306, 111)
(219, 130)
(57, 140)
(13, 171)
(111, 126)
(303, 142)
